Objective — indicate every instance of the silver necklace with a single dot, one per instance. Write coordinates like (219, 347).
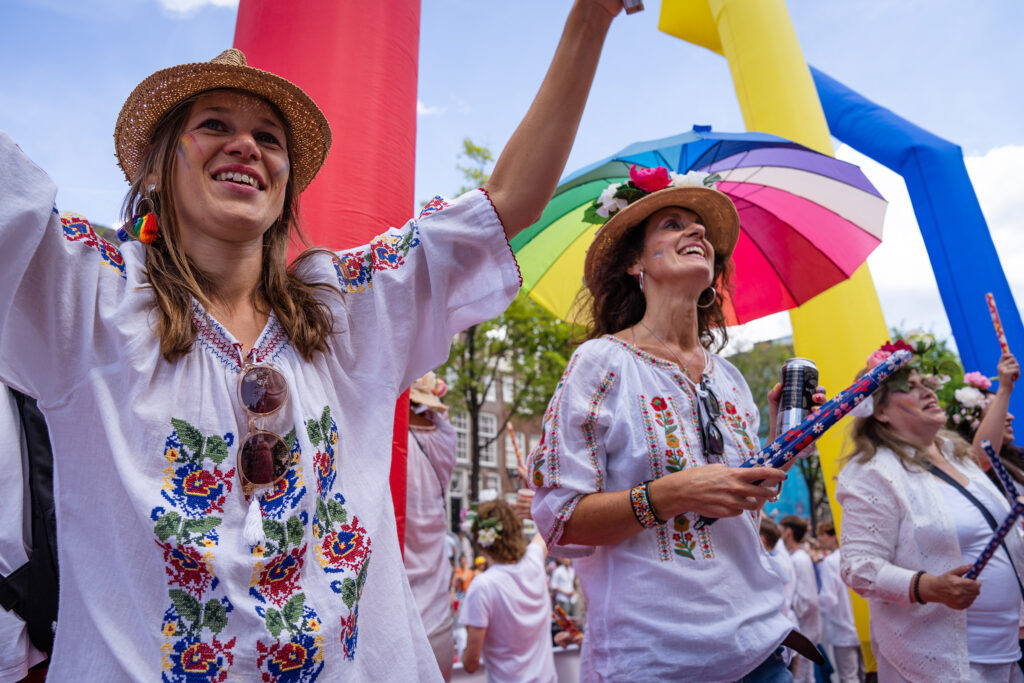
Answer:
(684, 366)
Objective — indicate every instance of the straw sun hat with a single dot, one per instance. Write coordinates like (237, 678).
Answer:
(428, 391)
(650, 190)
(309, 132)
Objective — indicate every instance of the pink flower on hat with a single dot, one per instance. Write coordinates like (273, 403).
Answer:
(877, 358)
(650, 179)
(978, 380)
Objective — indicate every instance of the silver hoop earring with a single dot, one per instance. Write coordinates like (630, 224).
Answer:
(641, 278)
(709, 304)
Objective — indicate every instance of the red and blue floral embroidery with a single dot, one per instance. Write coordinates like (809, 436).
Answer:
(188, 484)
(195, 487)
(433, 206)
(323, 434)
(355, 269)
(282, 604)
(300, 657)
(289, 490)
(78, 229)
(342, 546)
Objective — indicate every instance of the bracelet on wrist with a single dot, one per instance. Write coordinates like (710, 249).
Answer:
(915, 588)
(650, 502)
(639, 497)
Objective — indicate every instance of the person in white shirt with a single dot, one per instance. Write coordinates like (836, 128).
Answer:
(222, 416)
(838, 629)
(563, 585)
(910, 533)
(771, 539)
(805, 591)
(644, 434)
(507, 611)
(428, 545)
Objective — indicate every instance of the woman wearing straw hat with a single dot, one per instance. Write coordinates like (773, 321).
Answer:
(643, 435)
(221, 422)
(431, 459)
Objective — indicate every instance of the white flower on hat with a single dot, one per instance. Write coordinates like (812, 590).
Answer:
(918, 337)
(608, 203)
(969, 397)
(691, 179)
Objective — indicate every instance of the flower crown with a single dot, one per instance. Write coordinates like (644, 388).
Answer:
(642, 182)
(487, 530)
(934, 371)
(969, 400)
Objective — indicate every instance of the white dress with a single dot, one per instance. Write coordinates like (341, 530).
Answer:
(670, 603)
(156, 580)
(895, 523)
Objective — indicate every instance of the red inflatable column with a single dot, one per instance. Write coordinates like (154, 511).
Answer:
(358, 61)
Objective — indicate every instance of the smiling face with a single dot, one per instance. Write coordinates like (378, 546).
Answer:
(676, 250)
(913, 411)
(231, 170)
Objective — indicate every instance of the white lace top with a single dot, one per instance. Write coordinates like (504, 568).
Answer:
(670, 603)
(157, 582)
(895, 523)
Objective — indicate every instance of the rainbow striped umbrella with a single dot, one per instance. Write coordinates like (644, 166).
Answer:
(807, 220)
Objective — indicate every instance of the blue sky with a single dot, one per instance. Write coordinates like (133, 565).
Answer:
(950, 67)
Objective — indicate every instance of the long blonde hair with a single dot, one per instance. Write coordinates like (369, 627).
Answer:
(868, 435)
(176, 279)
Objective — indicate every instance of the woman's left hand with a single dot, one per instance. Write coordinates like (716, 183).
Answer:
(774, 396)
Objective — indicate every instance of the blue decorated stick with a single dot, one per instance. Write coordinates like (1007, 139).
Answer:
(997, 465)
(997, 539)
(786, 446)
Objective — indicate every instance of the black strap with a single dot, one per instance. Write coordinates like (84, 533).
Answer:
(984, 513)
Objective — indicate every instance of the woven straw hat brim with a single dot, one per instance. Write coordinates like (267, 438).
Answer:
(717, 213)
(417, 395)
(309, 132)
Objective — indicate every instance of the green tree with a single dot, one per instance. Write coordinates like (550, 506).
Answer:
(526, 344)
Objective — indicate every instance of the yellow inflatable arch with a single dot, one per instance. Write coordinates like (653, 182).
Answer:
(839, 328)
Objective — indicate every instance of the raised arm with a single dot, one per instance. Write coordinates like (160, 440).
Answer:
(527, 172)
(993, 426)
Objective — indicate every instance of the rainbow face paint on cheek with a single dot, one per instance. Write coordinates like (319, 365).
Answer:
(187, 146)
(659, 254)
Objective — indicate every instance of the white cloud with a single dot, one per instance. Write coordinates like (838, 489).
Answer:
(185, 8)
(424, 110)
(900, 267)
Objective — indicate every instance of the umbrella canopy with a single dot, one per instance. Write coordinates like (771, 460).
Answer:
(807, 220)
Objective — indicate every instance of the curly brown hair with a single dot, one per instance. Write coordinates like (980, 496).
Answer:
(510, 545)
(614, 301)
(175, 277)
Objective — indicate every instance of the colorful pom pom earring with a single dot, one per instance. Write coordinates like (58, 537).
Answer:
(144, 227)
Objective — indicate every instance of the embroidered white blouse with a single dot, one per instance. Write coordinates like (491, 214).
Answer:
(670, 603)
(156, 580)
(895, 523)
